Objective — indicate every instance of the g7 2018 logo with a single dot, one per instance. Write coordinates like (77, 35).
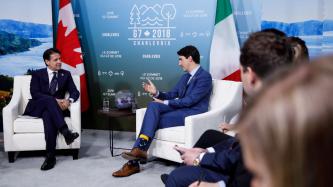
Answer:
(152, 25)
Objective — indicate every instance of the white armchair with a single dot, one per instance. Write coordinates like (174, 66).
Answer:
(224, 106)
(22, 133)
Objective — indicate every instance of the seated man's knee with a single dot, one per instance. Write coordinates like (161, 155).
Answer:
(49, 101)
(153, 105)
(173, 178)
(45, 114)
(182, 176)
(210, 133)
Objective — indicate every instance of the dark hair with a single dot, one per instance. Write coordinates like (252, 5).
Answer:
(263, 52)
(190, 51)
(303, 53)
(275, 31)
(47, 54)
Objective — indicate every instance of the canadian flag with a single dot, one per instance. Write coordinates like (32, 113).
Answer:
(69, 45)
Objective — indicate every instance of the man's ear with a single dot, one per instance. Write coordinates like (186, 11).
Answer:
(252, 76)
(190, 58)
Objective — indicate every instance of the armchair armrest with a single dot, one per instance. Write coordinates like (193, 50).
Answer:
(196, 125)
(140, 113)
(75, 110)
(10, 113)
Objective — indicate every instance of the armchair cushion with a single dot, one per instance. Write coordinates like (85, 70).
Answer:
(173, 134)
(25, 124)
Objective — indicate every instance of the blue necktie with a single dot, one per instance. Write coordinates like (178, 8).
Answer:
(53, 84)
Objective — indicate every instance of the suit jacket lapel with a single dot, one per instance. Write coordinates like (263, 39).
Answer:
(189, 85)
(194, 77)
(45, 78)
(61, 78)
(184, 85)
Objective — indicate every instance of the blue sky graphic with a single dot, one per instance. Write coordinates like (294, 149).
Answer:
(32, 11)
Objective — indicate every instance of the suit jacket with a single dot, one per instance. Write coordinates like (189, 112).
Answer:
(228, 161)
(39, 89)
(192, 97)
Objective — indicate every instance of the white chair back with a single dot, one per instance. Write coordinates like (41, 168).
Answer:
(224, 92)
(22, 85)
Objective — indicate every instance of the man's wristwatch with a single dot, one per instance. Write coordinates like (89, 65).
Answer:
(196, 162)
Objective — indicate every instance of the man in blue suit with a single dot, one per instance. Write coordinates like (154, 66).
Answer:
(48, 87)
(190, 96)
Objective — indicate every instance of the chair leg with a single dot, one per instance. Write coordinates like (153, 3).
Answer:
(75, 153)
(11, 156)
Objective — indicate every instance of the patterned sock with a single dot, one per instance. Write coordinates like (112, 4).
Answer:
(133, 162)
(143, 141)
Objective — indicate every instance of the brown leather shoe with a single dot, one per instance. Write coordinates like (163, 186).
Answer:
(127, 170)
(135, 154)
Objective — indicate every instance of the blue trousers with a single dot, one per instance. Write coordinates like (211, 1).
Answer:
(159, 116)
(186, 175)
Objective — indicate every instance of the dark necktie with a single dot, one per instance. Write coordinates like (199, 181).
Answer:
(53, 84)
(188, 76)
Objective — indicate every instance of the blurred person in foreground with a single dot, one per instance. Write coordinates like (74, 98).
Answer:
(287, 132)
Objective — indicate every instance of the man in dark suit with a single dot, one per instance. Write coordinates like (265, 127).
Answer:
(217, 158)
(190, 96)
(48, 87)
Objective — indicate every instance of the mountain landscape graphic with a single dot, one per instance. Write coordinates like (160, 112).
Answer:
(156, 9)
(150, 16)
(26, 29)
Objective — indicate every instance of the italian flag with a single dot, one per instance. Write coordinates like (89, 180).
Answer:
(224, 51)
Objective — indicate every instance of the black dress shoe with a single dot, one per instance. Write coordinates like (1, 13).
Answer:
(164, 178)
(70, 137)
(49, 163)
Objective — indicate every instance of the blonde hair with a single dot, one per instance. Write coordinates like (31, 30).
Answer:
(289, 127)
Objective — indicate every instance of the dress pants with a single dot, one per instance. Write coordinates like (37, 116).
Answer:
(48, 109)
(212, 138)
(159, 116)
(186, 175)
